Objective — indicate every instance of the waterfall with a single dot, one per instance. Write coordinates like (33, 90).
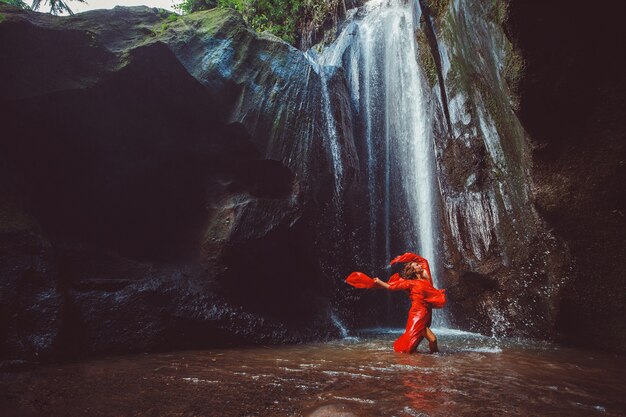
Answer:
(332, 131)
(378, 53)
(329, 119)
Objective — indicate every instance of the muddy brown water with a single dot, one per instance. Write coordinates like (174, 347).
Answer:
(473, 375)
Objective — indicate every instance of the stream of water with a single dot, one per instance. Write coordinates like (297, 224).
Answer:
(473, 375)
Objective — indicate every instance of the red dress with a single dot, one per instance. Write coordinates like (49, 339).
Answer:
(423, 297)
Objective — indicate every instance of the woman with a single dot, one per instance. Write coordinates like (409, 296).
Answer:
(416, 282)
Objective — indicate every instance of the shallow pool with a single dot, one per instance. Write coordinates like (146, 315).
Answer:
(473, 375)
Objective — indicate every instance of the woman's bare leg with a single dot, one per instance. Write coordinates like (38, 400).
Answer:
(432, 340)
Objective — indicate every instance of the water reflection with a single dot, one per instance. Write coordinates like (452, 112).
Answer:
(361, 376)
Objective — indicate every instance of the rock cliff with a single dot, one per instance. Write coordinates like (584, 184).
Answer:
(163, 183)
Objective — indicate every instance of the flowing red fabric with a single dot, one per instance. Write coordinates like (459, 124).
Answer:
(394, 278)
(360, 280)
(407, 257)
(411, 257)
(423, 297)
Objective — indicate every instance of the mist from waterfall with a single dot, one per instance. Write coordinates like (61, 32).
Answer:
(378, 53)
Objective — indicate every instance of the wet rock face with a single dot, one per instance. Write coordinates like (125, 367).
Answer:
(501, 265)
(572, 104)
(154, 189)
(531, 170)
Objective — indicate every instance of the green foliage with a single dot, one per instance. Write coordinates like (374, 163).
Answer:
(190, 6)
(16, 3)
(280, 17)
(167, 18)
(56, 6)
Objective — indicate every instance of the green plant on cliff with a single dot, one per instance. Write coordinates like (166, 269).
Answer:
(167, 18)
(279, 17)
(16, 3)
(282, 18)
(190, 6)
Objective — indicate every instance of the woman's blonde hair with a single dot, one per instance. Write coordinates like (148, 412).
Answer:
(408, 272)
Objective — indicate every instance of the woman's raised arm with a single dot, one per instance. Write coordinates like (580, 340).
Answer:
(380, 283)
(396, 285)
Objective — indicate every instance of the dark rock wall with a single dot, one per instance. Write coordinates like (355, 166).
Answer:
(537, 77)
(501, 264)
(534, 227)
(573, 105)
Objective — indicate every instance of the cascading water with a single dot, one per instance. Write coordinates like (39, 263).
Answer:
(329, 120)
(378, 52)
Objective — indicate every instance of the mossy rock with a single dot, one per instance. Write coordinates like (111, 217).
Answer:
(513, 70)
(499, 11)
(438, 8)
(426, 58)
